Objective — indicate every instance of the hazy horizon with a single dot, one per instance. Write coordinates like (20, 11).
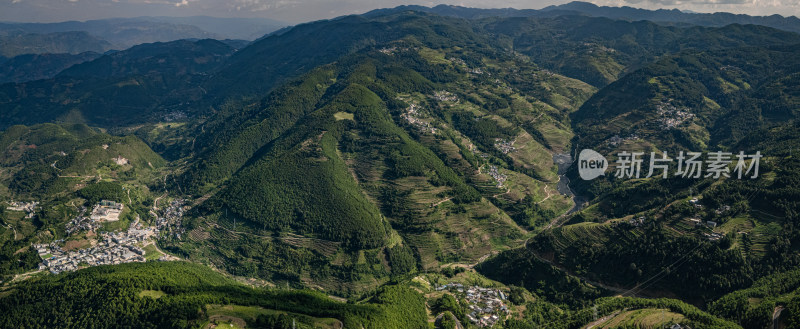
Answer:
(294, 11)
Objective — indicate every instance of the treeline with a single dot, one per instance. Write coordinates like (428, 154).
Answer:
(110, 297)
(754, 307)
(96, 192)
(687, 266)
(519, 267)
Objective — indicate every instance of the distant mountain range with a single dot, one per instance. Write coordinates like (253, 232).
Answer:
(19, 42)
(124, 33)
(61, 45)
(673, 16)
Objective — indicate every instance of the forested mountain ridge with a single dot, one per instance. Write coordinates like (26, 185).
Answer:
(635, 231)
(405, 163)
(146, 83)
(252, 72)
(29, 67)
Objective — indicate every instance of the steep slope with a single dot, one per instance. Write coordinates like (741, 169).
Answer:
(594, 50)
(600, 50)
(31, 67)
(302, 182)
(640, 234)
(379, 150)
(46, 160)
(727, 94)
(277, 57)
(145, 83)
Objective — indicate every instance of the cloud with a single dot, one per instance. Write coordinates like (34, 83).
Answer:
(182, 3)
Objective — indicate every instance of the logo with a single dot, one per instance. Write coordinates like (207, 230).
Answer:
(690, 165)
(591, 164)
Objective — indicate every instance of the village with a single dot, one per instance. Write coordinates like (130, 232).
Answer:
(499, 177)
(672, 116)
(169, 223)
(616, 140)
(412, 115)
(105, 211)
(504, 146)
(445, 96)
(693, 221)
(110, 247)
(29, 208)
(486, 305)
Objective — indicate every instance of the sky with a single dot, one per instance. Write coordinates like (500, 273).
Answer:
(297, 11)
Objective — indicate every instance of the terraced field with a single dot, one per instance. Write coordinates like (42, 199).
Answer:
(641, 319)
(532, 155)
(567, 235)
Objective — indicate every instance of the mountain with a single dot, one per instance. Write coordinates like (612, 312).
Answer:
(456, 11)
(258, 68)
(728, 93)
(691, 101)
(230, 28)
(600, 50)
(275, 58)
(121, 33)
(49, 162)
(139, 84)
(661, 16)
(14, 43)
(790, 23)
(23, 68)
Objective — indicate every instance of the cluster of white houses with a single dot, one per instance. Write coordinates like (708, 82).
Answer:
(169, 223)
(28, 207)
(412, 115)
(445, 96)
(486, 305)
(504, 145)
(112, 248)
(499, 177)
(105, 211)
(672, 116)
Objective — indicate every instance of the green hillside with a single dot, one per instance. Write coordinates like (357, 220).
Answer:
(65, 167)
(111, 297)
